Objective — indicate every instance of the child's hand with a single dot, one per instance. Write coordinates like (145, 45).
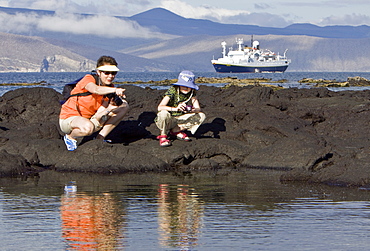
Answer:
(181, 107)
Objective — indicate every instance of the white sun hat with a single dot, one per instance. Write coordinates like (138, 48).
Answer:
(108, 68)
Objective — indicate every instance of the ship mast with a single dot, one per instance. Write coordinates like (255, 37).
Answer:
(223, 44)
(240, 42)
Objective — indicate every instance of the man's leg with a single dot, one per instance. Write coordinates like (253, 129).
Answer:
(115, 116)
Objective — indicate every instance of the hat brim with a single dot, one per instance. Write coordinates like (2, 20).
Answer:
(190, 85)
(108, 68)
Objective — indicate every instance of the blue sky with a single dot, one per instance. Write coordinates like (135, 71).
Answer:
(272, 13)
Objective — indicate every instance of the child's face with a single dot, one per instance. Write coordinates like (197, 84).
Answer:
(184, 89)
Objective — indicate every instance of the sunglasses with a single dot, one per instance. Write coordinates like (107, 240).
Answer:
(109, 72)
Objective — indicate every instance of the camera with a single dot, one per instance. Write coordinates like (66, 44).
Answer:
(115, 98)
(189, 108)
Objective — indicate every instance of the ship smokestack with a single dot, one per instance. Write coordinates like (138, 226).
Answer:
(256, 45)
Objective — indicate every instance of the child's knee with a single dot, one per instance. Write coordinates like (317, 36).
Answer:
(163, 114)
(202, 117)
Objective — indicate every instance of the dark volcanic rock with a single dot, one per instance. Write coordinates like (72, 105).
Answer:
(13, 165)
(314, 134)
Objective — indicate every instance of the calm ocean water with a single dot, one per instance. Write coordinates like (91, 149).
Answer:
(244, 210)
(58, 80)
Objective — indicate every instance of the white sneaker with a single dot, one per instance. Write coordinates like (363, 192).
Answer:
(70, 143)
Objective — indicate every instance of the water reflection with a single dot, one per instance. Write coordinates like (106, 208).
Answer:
(238, 210)
(180, 214)
(91, 222)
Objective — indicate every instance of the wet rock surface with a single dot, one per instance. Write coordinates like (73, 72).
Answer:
(314, 135)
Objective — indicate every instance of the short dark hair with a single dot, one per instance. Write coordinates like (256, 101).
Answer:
(104, 60)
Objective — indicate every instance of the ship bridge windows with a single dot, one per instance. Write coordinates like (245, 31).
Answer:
(236, 54)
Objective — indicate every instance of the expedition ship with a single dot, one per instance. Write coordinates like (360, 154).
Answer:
(249, 59)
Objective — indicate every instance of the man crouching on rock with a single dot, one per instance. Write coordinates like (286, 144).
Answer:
(102, 108)
(179, 110)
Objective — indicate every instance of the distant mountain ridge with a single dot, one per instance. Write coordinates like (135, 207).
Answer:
(170, 23)
(311, 48)
(20, 53)
(33, 54)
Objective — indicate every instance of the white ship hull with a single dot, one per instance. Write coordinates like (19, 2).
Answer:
(249, 60)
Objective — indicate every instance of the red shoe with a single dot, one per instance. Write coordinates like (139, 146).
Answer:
(180, 135)
(163, 141)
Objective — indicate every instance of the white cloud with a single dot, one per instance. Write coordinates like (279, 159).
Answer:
(224, 15)
(99, 25)
(44, 4)
(188, 11)
(4, 3)
(262, 6)
(352, 19)
(260, 19)
(107, 7)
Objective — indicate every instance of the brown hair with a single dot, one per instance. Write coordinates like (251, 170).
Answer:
(106, 60)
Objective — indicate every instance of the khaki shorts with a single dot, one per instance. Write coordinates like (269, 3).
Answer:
(65, 124)
(190, 121)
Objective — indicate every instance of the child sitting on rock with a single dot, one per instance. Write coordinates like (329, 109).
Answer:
(179, 110)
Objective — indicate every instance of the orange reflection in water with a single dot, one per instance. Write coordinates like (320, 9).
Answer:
(180, 215)
(91, 222)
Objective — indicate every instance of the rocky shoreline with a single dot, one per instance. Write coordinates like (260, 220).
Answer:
(350, 82)
(313, 135)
